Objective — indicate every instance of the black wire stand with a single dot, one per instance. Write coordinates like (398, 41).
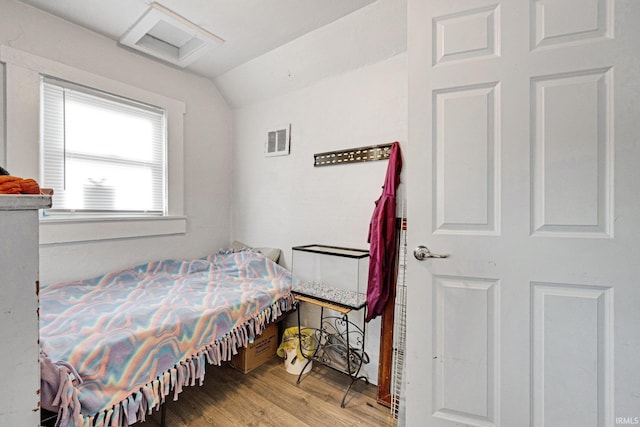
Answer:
(338, 343)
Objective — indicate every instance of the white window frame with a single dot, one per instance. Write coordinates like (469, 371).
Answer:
(58, 91)
(22, 147)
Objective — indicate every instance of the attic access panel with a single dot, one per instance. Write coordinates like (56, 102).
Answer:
(164, 34)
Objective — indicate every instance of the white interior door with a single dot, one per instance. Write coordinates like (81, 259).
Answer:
(523, 164)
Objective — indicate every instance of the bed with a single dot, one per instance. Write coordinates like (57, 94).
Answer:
(115, 346)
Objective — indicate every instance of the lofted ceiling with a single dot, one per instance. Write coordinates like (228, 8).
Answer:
(250, 28)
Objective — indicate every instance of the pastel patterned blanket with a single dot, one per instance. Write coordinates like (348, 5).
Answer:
(126, 340)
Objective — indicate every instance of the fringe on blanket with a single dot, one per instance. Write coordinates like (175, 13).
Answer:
(141, 403)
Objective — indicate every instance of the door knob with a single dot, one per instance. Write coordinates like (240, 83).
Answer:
(422, 252)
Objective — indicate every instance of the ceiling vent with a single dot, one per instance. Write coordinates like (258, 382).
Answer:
(166, 35)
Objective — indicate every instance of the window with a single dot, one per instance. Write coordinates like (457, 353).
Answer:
(24, 85)
(102, 154)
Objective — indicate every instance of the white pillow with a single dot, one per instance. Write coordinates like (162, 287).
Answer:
(272, 253)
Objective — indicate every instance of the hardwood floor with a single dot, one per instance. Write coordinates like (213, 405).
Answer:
(269, 396)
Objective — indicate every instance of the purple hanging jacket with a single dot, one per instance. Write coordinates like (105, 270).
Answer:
(382, 236)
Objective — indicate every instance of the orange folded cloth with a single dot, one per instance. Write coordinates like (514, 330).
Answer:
(29, 186)
(15, 185)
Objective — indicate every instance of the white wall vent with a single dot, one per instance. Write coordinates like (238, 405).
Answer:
(166, 35)
(278, 141)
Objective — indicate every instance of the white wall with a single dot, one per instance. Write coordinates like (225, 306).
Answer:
(207, 143)
(285, 201)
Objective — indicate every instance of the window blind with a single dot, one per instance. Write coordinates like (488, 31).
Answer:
(101, 153)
